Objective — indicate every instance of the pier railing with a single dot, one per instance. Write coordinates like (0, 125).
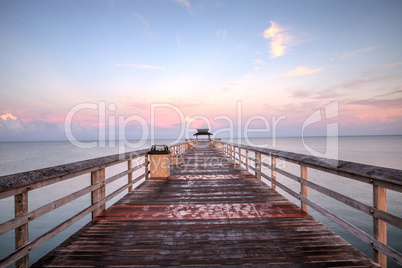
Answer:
(381, 179)
(19, 185)
(253, 159)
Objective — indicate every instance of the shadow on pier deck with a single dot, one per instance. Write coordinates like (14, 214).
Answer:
(210, 212)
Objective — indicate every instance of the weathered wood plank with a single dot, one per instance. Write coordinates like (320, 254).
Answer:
(273, 172)
(17, 183)
(21, 232)
(386, 177)
(379, 226)
(205, 217)
(24, 250)
(303, 187)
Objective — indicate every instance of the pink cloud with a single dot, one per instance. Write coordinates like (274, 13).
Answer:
(8, 116)
(302, 71)
(279, 40)
(141, 66)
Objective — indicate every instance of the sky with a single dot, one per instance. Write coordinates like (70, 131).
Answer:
(114, 69)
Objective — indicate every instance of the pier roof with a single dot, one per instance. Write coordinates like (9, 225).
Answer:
(202, 131)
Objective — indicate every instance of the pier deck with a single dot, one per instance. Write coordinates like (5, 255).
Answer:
(210, 212)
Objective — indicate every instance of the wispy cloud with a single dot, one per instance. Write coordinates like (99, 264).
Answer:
(142, 19)
(392, 91)
(316, 94)
(184, 3)
(178, 40)
(355, 52)
(301, 71)
(381, 104)
(279, 40)
(222, 33)
(257, 63)
(337, 90)
(140, 66)
(384, 67)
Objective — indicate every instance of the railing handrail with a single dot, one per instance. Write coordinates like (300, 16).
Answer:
(19, 184)
(27, 178)
(381, 179)
(16, 183)
(352, 170)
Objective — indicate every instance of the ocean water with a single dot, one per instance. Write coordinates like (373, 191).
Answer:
(385, 151)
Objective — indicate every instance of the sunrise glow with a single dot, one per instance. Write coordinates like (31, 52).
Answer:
(8, 116)
(175, 63)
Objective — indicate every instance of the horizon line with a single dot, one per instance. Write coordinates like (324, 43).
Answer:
(116, 140)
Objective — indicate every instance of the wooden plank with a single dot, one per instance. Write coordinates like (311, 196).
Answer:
(124, 173)
(24, 250)
(384, 177)
(379, 226)
(368, 239)
(383, 215)
(146, 167)
(273, 172)
(130, 175)
(239, 154)
(258, 165)
(201, 212)
(21, 232)
(303, 187)
(99, 193)
(201, 218)
(29, 216)
(17, 183)
(246, 160)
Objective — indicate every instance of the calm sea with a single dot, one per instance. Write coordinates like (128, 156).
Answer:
(385, 151)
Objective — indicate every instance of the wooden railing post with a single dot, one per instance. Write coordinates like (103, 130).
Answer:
(98, 194)
(379, 226)
(146, 167)
(233, 154)
(273, 172)
(239, 156)
(130, 175)
(247, 160)
(258, 164)
(303, 188)
(21, 232)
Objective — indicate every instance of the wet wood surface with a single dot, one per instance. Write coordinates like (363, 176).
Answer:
(210, 212)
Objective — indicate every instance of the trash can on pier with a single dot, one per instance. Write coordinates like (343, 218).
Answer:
(159, 158)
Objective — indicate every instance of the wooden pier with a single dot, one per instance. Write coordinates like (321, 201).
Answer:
(210, 212)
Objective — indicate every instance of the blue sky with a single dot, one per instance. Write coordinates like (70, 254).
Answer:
(278, 58)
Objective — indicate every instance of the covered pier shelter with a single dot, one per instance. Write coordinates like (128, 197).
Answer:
(203, 131)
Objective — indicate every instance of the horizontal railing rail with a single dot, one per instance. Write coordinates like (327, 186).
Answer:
(20, 184)
(379, 177)
(179, 149)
